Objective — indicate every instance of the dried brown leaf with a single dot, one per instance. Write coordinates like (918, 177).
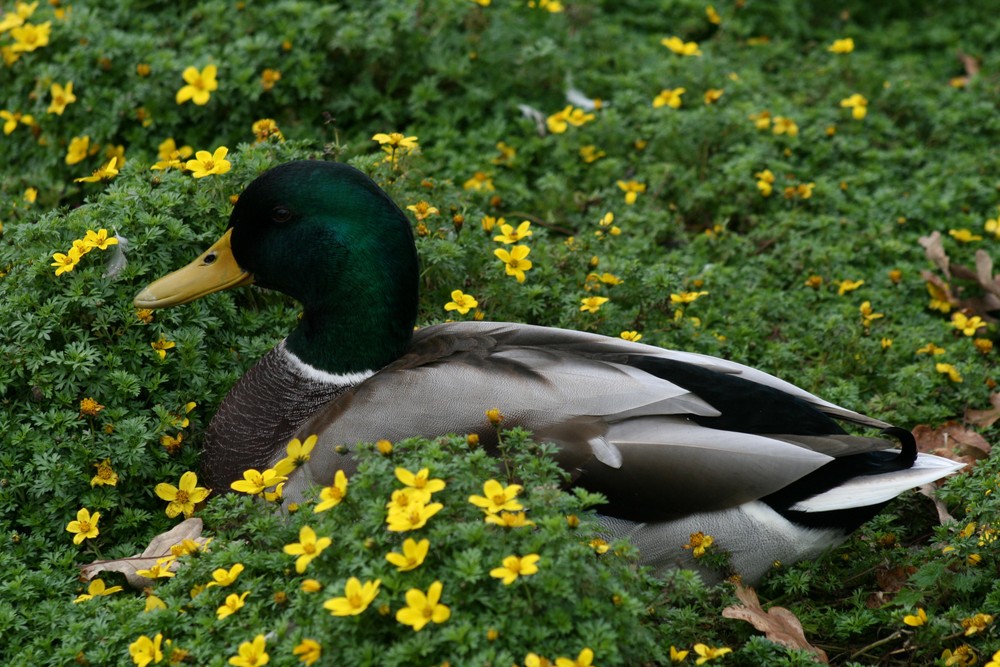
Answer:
(945, 288)
(953, 441)
(969, 63)
(985, 418)
(777, 623)
(935, 252)
(159, 546)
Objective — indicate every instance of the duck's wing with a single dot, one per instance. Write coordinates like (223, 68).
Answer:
(660, 433)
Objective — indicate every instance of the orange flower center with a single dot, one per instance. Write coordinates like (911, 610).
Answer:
(182, 497)
(84, 526)
(309, 548)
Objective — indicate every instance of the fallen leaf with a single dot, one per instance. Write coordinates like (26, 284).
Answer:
(935, 252)
(952, 441)
(159, 546)
(969, 63)
(933, 279)
(777, 623)
(985, 418)
(929, 490)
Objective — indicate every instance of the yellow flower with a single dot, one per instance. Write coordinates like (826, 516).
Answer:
(846, 286)
(916, 620)
(585, 659)
(845, 45)
(560, 121)
(963, 656)
(206, 164)
(396, 140)
(868, 315)
(931, 349)
(171, 443)
(99, 239)
(762, 120)
(29, 37)
(805, 190)
(307, 548)
(89, 407)
(713, 95)
(984, 345)
(515, 262)
(461, 302)
(535, 660)
(85, 526)
(105, 173)
(599, 545)
(251, 654)
(995, 661)
(413, 517)
(706, 653)
(784, 125)
(669, 98)
(508, 235)
(419, 485)
(11, 120)
(680, 47)
(592, 304)
(161, 570)
(422, 210)
(516, 566)
(991, 226)
(413, 555)
(633, 336)
(357, 598)
(297, 455)
(494, 416)
(479, 181)
(950, 371)
(677, 655)
(509, 519)
(857, 104)
(590, 153)
(145, 650)
(254, 482)
(964, 235)
(712, 15)
(106, 475)
(265, 129)
(497, 498)
(311, 586)
(967, 325)
(61, 97)
(330, 496)
(96, 589)
(200, 85)
(223, 577)
(232, 604)
(170, 155)
(422, 609)
(152, 603)
(183, 497)
(268, 78)
(698, 543)
(976, 624)
(308, 650)
(507, 154)
(631, 190)
(78, 149)
(765, 182)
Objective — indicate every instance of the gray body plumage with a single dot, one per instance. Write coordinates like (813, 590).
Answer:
(620, 430)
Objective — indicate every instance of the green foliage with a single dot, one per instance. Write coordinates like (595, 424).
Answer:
(455, 74)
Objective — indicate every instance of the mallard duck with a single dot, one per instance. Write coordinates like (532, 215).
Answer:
(679, 443)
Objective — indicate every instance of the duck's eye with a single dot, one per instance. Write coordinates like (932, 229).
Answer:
(210, 258)
(281, 214)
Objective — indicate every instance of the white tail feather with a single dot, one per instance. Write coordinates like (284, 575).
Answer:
(875, 489)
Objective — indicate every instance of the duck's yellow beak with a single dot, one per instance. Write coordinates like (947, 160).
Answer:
(214, 270)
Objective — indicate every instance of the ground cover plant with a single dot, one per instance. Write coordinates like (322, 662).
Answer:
(811, 189)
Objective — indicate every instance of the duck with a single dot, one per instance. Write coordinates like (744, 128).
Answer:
(678, 443)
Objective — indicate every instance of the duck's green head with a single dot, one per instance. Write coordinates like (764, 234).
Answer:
(328, 236)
